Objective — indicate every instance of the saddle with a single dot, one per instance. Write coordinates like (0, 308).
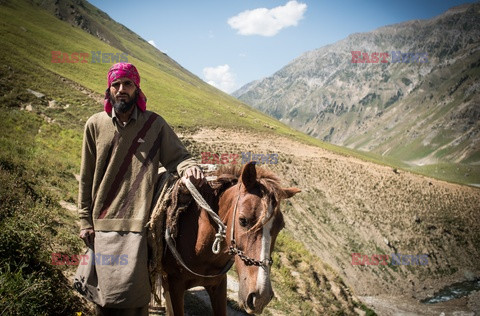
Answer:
(171, 199)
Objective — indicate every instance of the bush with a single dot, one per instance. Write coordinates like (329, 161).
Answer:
(29, 222)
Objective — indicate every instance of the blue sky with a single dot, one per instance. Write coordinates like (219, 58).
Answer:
(229, 43)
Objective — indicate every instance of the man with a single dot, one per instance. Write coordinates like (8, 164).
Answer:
(123, 148)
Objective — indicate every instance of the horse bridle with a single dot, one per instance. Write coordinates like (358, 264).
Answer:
(233, 249)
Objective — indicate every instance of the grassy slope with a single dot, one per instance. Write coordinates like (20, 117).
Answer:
(181, 98)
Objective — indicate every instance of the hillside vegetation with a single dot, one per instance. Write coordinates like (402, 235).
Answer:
(346, 205)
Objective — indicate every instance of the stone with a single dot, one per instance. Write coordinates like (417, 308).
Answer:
(37, 94)
(52, 103)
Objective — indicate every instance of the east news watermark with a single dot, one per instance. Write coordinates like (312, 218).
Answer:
(243, 158)
(359, 57)
(97, 57)
(59, 259)
(397, 259)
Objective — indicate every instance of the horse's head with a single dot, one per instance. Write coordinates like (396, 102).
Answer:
(257, 220)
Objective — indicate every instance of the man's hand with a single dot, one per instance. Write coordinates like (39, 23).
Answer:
(88, 235)
(195, 175)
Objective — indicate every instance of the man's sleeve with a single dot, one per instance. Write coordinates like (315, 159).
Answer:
(173, 155)
(87, 172)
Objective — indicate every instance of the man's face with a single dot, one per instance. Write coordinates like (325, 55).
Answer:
(123, 94)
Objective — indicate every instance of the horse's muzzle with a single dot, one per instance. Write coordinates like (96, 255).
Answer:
(256, 303)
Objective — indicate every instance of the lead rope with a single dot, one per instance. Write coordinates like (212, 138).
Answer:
(222, 230)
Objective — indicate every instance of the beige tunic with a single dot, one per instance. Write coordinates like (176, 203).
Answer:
(116, 274)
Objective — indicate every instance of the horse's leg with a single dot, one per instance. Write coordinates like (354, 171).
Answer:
(174, 297)
(156, 304)
(218, 297)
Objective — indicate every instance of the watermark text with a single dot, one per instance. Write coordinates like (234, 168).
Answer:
(359, 259)
(243, 158)
(359, 57)
(98, 57)
(59, 259)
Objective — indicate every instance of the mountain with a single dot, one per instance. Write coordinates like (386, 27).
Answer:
(423, 113)
(348, 204)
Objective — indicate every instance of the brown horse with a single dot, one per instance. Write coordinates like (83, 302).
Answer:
(247, 202)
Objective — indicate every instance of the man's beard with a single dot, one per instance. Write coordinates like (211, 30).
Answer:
(123, 106)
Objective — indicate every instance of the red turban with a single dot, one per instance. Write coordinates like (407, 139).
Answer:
(124, 70)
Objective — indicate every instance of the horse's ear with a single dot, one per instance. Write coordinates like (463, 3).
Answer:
(249, 175)
(289, 192)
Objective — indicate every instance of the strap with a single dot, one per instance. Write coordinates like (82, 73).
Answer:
(219, 236)
(173, 249)
(222, 230)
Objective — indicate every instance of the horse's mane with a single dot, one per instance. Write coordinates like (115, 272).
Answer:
(270, 185)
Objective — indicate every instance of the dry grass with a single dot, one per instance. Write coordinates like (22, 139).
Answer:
(349, 205)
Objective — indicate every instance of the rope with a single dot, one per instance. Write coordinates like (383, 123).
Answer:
(176, 254)
(222, 230)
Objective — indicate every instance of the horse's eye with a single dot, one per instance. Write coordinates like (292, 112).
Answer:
(243, 222)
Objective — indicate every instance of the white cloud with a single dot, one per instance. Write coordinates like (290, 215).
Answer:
(268, 22)
(151, 42)
(220, 77)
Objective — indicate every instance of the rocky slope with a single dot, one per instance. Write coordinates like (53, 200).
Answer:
(421, 112)
(351, 206)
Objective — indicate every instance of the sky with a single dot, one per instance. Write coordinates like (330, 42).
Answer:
(229, 43)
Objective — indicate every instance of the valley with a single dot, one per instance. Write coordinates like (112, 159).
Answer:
(352, 201)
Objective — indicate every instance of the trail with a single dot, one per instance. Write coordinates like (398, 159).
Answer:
(198, 295)
(396, 306)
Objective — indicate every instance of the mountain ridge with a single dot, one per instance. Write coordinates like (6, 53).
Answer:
(388, 109)
(347, 204)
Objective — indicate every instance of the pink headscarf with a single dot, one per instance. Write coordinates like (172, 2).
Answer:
(121, 70)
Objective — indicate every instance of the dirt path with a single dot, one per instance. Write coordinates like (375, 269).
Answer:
(396, 306)
(200, 296)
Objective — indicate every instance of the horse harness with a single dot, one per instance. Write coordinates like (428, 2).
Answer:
(219, 237)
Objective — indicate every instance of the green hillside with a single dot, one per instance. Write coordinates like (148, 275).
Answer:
(29, 35)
